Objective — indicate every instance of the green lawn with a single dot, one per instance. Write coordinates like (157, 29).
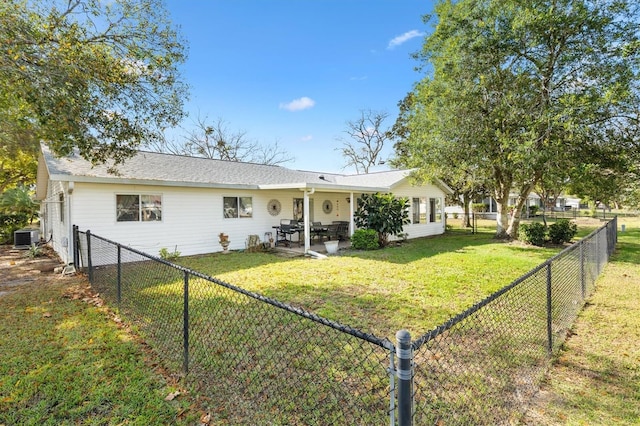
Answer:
(595, 379)
(64, 362)
(69, 364)
(415, 286)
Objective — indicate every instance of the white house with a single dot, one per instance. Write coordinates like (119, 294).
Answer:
(159, 201)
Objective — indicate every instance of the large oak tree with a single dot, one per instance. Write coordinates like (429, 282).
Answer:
(512, 85)
(98, 76)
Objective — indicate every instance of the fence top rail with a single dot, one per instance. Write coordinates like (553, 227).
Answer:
(417, 343)
(382, 342)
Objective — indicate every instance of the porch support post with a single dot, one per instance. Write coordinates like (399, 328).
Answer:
(307, 241)
(352, 226)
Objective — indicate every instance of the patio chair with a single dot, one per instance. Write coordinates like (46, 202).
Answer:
(338, 230)
(342, 232)
(318, 230)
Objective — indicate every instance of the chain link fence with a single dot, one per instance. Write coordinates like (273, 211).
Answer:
(484, 365)
(252, 357)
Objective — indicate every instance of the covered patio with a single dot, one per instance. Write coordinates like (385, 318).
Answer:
(315, 246)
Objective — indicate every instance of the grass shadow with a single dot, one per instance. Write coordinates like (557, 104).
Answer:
(628, 247)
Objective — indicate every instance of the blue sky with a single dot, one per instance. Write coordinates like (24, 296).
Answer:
(296, 71)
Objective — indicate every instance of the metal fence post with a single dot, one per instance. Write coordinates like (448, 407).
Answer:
(549, 311)
(613, 240)
(583, 281)
(405, 378)
(89, 261)
(119, 274)
(474, 223)
(76, 247)
(185, 328)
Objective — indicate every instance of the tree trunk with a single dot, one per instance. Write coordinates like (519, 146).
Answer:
(503, 181)
(502, 215)
(514, 223)
(502, 219)
(466, 217)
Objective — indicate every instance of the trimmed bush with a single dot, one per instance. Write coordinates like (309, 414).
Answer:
(562, 231)
(365, 239)
(9, 223)
(533, 233)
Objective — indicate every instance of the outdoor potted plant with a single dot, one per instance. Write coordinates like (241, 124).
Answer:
(224, 241)
(331, 246)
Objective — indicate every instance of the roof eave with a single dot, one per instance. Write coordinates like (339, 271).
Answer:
(440, 184)
(42, 177)
(148, 182)
(325, 187)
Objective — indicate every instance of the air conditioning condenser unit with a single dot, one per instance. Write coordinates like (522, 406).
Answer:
(23, 238)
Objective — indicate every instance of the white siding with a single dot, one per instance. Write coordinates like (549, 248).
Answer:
(416, 230)
(339, 204)
(55, 223)
(192, 218)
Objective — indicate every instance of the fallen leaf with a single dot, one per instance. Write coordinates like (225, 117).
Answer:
(47, 315)
(172, 396)
(205, 419)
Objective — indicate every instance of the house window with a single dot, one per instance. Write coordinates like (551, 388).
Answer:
(419, 207)
(138, 208)
(237, 207)
(435, 210)
(61, 199)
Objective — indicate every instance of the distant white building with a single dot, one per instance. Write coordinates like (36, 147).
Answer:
(490, 210)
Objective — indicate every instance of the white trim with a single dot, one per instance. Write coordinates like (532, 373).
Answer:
(117, 180)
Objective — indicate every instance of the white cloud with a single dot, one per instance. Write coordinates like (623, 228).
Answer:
(298, 104)
(362, 78)
(403, 38)
(306, 138)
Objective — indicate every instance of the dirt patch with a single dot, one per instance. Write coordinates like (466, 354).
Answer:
(17, 269)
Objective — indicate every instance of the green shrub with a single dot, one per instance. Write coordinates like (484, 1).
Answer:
(384, 213)
(562, 231)
(169, 256)
(534, 233)
(365, 239)
(9, 223)
(479, 207)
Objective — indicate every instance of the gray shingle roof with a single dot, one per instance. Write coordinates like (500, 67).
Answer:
(381, 179)
(176, 170)
(157, 168)
(150, 166)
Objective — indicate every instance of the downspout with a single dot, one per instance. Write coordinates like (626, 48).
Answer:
(307, 240)
(69, 224)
